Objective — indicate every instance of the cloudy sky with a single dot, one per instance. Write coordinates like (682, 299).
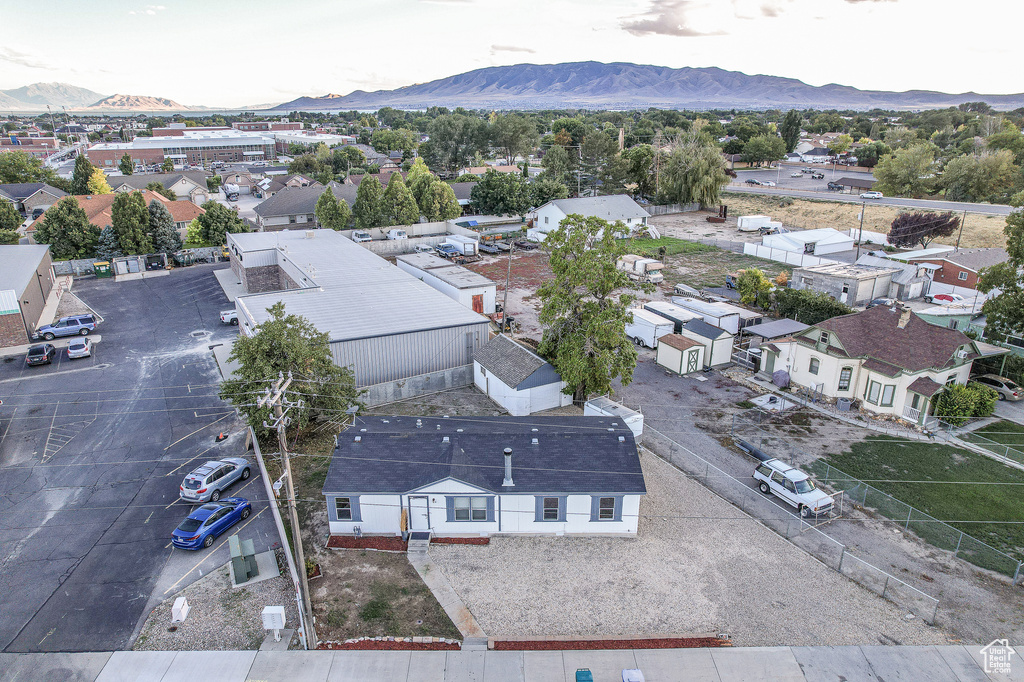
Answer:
(270, 51)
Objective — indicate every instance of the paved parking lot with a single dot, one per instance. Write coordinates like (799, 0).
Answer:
(781, 175)
(91, 455)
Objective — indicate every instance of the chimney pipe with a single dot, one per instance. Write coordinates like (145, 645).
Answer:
(508, 469)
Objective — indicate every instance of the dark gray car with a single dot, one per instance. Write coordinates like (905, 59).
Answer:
(206, 483)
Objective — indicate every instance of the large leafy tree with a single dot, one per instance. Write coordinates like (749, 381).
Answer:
(807, 306)
(907, 172)
(546, 189)
(911, 228)
(399, 205)
(639, 165)
(9, 237)
(986, 177)
(558, 165)
(286, 344)
(585, 307)
(694, 171)
(217, 221)
(10, 219)
(160, 189)
(513, 135)
(98, 183)
(870, 152)
(764, 149)
(369, 208)
(67, 230)
(130, 219)
(454, 139)
(16, 167)
(502, 194)
(840, 145)
(332, 213)
(1004, 314)
(384, 141)
(790, 129)
(162, 231)
(80, 175)
(126, 165)
(439, 202)
(598, 153)
(755, 288)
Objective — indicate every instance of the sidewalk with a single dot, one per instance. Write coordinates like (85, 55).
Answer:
(775, 664)
(433, 578)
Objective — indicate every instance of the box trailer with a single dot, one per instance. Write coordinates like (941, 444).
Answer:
(647, 327)
(641, 269)
(677, 315)
(726, 317)
(752, 223)
(606, 407)
(467, 246)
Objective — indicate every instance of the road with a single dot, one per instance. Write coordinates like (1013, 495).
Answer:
(928, 204)
(91, 455)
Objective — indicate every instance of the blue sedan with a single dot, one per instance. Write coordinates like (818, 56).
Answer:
(202, 526)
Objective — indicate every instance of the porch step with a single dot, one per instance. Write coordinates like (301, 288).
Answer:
(474, 644)
(419, 542)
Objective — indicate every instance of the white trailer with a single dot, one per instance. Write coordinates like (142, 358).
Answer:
(676, 315)
(467, 246)
(647, 327)
(720, 315)
(641, 269)
(752, 223)
(606, 407)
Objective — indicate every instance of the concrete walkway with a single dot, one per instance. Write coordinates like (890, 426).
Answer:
(774, 664)
(229, 283)
(472, 634)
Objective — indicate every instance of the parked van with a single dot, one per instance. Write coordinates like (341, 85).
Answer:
(397, 234)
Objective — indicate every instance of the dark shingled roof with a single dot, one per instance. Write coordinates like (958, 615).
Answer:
(299, 200)
(19, 191)
(678, 341)
(875, 333)
(512, 363)
(401, 454)
(976, 259)
(925, 386)
(704, 330)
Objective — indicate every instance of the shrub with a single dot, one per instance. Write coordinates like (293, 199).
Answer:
(957, 404)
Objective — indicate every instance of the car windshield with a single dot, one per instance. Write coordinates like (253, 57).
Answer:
(804, 486)
(191, 484)
(38, 350)
(189, 525)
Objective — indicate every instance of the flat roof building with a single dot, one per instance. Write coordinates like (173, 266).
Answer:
(469, 288)
(192, 147)
(26, 278)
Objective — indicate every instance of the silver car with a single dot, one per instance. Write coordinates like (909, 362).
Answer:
(79, 348)
(206, 483)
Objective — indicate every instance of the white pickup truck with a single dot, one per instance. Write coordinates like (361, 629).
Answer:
(794, 486)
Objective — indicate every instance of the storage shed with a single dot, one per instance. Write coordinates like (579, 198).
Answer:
(815, 242)
(680, 354)
(517, 379)
(469, 288)
(717, 342)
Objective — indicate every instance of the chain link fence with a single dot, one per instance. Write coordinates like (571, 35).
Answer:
(804, 535)
(926, 527)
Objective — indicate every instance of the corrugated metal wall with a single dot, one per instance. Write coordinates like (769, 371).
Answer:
(9, 302)
(399, 356)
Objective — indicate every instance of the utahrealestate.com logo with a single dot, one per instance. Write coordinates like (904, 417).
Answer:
(996, 657)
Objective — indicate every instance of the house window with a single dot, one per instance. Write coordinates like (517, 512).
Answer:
(343, 508)
(469, 508)
(962, 276)
(915, 401)
(845, 374)
(887, 395)
(545, 220)
(874, 388)
(291, 219)
(606, 509)
(823, 339)
(953, 324)
(846, 288)
(550, 508)
(951, 380)
(815, 363)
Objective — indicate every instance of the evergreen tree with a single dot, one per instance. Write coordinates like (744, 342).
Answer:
(162, 232)
(126, 165)
(98, 183)
(10, 219)
(9, 237)
(369, 208)
(217, 221)
(80, 176)
(790, 129)
(419, 181)
(131, 223)
(332, 213)
(439, 202)
(67, 230)
(399, 205)
(107, 247)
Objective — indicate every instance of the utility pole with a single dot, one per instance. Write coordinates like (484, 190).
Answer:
(508, 277)
(960, 233)
(275, 397)
(860, 233)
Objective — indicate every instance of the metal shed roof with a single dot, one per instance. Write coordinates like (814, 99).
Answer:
(18, 262)
(776, 329)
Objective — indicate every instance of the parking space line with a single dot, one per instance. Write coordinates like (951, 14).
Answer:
(185, 463)
(13, 412)
(196, 431)
(218, 546)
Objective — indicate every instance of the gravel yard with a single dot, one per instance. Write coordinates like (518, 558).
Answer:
(678, 576)
(221, 618)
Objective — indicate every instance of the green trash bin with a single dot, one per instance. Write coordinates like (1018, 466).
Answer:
(102, 269)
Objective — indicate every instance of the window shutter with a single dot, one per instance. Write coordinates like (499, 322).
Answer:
(490, 509)
(449, 503)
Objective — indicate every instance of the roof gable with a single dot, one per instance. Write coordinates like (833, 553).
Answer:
(514, 364)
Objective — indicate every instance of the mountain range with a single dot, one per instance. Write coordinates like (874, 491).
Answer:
(35, 97)
(623, 85)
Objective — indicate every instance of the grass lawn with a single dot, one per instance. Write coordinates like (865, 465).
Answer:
(709, 267)
(1002, 437)
(950, 484)
(673, 246)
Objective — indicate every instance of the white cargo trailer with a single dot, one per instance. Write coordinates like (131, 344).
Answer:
(647, 327)
(606, 407)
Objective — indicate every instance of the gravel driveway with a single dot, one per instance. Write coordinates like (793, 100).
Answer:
(682, 574)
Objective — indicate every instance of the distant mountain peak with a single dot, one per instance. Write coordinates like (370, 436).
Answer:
(37, 95)
(137, 103)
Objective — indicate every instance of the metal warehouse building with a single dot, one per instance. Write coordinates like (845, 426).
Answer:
(400, 336)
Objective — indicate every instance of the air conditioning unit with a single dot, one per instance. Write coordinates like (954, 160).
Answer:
(962, 354)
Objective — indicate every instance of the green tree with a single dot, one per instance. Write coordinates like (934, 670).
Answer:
(764, 149)
(98, 183)
(597, 153)
(289, 345)
(194, 234)
(10, 219)
(9, 237)
(906, 172)
(80, 175)
(217, 221)
(454, 139)
(790, 129)
(67, 230)
(107, 246)
(369, 207)
(332, 213)
(1004, 313)
(439, 202)
(506, 194)
(988, 177)
(398, 203)
(807, 306)
(160, 189)
(869, 153)
(694, 171)
(419, 179)
(345, 158)
(384, 141)
(956, 404)
(162, 231)
(513, 135)
(755, 288)
(130, 220)
(640, 169)
(585, 307)
(1009, 138)
(18, 167)
(840, 145)
(545, 190)
(558, 166)
(167, 166)
(126, 165)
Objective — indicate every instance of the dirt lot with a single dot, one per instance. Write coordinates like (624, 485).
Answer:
(696, 566)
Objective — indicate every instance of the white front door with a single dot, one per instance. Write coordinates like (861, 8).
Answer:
(419, 518)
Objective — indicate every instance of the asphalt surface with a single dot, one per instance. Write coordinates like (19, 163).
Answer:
(91, 455)
(929, 204)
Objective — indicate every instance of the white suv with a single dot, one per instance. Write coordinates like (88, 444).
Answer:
(794, 486)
